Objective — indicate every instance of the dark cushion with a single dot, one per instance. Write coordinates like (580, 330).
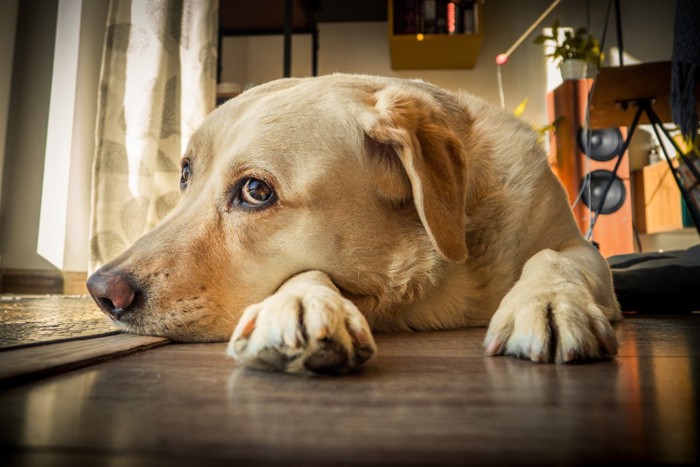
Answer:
(667, 282)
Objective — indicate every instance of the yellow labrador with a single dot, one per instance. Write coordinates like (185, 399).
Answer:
(316, 210)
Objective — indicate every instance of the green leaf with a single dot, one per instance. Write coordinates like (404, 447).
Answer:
(576, 43)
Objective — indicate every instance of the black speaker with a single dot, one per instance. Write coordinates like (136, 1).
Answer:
(604, 144)
(584, 160)
(592, 196)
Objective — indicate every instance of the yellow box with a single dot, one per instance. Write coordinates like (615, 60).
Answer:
(435, 51)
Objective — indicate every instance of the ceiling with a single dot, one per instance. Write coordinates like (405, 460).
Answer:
(267, 16)
(336, 11)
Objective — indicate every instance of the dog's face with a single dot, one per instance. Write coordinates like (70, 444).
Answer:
(317, 174)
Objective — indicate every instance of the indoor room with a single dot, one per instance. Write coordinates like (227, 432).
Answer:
(368, 232)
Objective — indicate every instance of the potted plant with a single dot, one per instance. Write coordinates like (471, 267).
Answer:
(574, 52)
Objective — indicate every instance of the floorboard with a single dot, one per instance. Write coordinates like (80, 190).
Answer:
(28, 320)
(427, 399)
(22, 364)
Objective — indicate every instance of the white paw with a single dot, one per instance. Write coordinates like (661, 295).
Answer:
(560, 323)
(309, 328)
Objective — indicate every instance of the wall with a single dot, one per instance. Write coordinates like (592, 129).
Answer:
(363, 48)
(8, 20)
(26, 145)
(26, 134)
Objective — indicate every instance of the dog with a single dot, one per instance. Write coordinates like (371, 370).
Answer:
(315, 211)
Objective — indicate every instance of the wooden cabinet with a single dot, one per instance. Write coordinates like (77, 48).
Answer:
(657, 201)
(448, 37)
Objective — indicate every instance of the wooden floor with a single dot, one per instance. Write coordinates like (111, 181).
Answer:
(428, 399)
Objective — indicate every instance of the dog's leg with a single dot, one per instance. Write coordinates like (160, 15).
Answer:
(559, 310)
(305, 326)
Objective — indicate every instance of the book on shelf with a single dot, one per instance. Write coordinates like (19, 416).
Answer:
(435, 17)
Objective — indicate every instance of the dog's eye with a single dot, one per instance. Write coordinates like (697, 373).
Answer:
(255, 193)
(185, 175)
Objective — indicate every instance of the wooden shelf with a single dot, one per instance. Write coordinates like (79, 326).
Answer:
(435, 51)
(658, 203)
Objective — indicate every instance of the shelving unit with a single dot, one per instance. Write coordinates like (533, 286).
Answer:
(269, 17)
(421, 51)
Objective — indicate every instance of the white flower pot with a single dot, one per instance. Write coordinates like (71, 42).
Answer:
(573, 69)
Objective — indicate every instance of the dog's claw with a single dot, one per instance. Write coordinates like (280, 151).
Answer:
(494, 347)
(362, 354)
(569, 356)
(360, 338)
(610, 346)
(239, 346)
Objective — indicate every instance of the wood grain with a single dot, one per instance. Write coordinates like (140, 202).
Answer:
(640, 81)
(31, 362)
(658, 202)
(427, 399)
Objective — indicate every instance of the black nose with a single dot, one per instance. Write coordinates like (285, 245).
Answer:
(112, 292)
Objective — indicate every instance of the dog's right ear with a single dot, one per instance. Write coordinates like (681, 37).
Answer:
(417, 133)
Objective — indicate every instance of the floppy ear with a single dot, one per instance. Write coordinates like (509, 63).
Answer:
(423, 135)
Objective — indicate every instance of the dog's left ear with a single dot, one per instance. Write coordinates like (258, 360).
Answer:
(422, 133)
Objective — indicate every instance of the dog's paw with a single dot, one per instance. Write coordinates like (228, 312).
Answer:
(306, 329)
(560, 324)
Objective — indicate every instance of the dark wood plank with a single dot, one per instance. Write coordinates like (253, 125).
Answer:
(428, 399)
(31, 362)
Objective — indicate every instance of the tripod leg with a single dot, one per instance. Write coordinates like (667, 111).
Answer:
(692, 207)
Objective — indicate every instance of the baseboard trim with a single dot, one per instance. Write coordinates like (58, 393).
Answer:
(37, 281)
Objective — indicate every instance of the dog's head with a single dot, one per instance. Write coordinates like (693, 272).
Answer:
(359, 177)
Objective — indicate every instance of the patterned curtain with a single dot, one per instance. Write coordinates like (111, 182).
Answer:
(158, 82)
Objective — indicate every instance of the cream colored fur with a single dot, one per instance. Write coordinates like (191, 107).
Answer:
(400, 206)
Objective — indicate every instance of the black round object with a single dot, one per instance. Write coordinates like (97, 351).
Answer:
(598, 180)
(605, 143)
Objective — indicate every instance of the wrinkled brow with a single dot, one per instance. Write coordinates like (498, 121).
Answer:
(199, 147)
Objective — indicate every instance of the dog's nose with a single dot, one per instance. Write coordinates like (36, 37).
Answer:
(111, 291)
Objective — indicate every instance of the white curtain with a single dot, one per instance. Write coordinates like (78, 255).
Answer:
(158, 82)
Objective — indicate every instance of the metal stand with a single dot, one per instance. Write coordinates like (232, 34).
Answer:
(644, 106)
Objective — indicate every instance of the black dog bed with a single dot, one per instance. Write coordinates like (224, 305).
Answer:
(667, 282)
